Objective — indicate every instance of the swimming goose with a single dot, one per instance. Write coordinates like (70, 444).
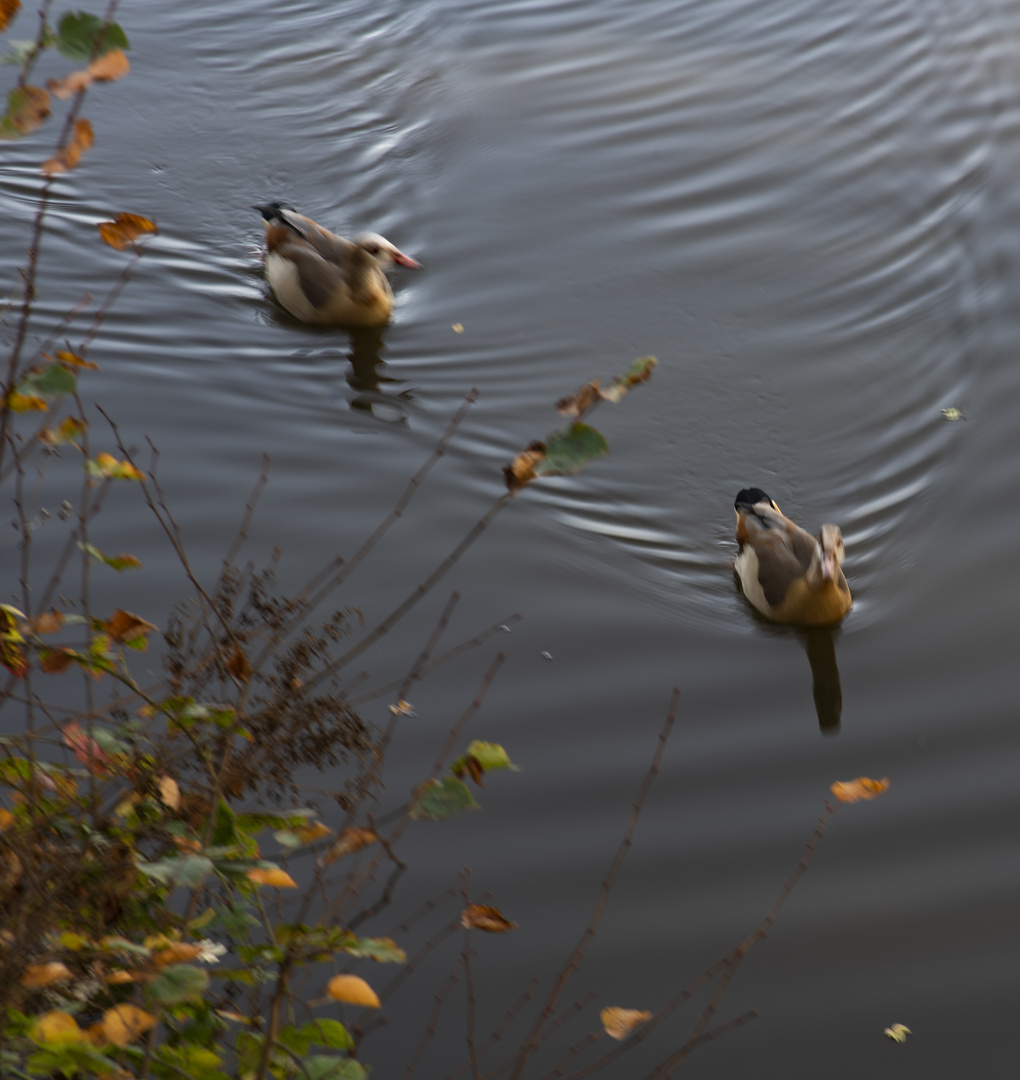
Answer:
(322, 278)
(788, 575)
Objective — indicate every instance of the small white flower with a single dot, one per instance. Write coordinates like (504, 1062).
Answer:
(211, 952)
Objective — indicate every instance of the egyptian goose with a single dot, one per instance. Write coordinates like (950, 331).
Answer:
(788, 575)
(322, 278)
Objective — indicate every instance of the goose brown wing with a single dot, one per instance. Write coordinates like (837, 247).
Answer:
(318, 278)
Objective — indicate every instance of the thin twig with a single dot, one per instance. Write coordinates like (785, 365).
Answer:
(574, 960)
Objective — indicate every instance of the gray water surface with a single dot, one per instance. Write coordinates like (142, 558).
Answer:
(808, 212)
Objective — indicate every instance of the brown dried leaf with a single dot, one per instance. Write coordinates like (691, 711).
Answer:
(37, 975)
(27, 108)
(578, 403)
(521, 470)
(350, 840)
(68, 158)
(238, 666)
(8, 9)
(353, 991)
(111, 65)
(176, 952)
(279, 879)
(124, 1023)
(619, 1023)
(49, 622)
(69, 85)
(851, 791)
(125, 229)
(473, 767)
(402, 708)
(115, 978)
(54, 661)
(123, 626)
(483, 917)
(86, 749)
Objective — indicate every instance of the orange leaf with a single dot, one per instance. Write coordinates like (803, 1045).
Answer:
(109, 66)
(86, 750)
(176, 952)
(308, 834)
(123, 626)
(353, 991)
(276, 877)
(6, 819)
(619, 1023)
(125, 229)
(483, 917)
(49, 622)
(850, 791)
(115, 978)
(68, 158)
(37, 975)
(71, 359)
(521, 470)
(124, 1023)
(70, 84)
(8, 9)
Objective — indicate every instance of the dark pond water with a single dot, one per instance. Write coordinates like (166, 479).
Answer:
(807, 211)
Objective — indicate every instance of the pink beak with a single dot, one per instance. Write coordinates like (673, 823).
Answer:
(405, 260)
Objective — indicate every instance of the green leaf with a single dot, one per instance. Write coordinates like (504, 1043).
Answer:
(186, 870)
(383, 949)
(329, 1033)
(79, 34)
(179, 983)
(321, 1067)
(568, 451)
(54, 380)
(118, 562)
(439, 801)
(18, 52)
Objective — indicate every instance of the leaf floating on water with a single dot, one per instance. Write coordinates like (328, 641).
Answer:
(521, 470)
(125, 229)
(402, 708)
(953, 414)
(457, 328)
(568, 451)
(638, 372)
(353, 991)
(578, 403)
(897, 1032)
(484, 917)
(619, 1023)
(851, 791)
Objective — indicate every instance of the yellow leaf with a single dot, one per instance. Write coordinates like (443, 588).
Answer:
(521, 470)
(70, 359)
(6, 819)
(308, 834)
(276, 877)
(57, 1027)
(483, 917)
(75, 942)
(109, 66)
(115, 978)
(124, 1023)
(619, 1023)
(897, 1032)
(353, 991)
(169, 791)
(37, 975)
(850, 791)
(125, 229)
(26, 402)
